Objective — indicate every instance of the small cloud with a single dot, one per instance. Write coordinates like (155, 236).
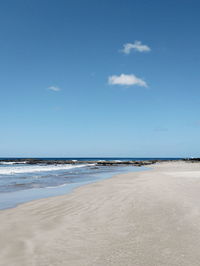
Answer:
(161, 129)
(126, 80)
(54, 88)
(195, 123)
(57, 108)
(92, 74)
(137, 46)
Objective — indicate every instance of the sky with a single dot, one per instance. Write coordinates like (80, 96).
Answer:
(102, 78)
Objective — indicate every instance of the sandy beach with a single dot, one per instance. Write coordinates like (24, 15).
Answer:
(147, 218)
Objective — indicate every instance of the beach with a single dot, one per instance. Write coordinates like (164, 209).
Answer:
(146, 218)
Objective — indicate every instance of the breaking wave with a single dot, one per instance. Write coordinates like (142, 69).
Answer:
(10, 170)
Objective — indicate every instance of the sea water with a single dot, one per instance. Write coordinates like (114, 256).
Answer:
(21, 182)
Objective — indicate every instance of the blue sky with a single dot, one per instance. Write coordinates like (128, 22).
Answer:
(71, 86)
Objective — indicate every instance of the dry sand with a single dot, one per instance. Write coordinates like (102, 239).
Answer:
(149, 218)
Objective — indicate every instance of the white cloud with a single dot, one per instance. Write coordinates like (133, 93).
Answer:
(137, 46)
(54, 88)
(126, 80)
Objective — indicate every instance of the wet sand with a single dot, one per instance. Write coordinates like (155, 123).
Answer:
(148, 218)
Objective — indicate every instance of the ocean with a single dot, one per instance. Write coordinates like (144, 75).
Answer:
(21, 181)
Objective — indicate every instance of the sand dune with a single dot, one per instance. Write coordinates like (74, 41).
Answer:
(149, 218)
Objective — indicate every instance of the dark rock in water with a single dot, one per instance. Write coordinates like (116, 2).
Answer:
(192, 160)
(36, 161)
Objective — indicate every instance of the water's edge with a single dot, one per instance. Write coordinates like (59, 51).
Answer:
(13, 199)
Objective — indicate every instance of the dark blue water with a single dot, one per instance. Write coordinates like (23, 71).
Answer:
(95, 158)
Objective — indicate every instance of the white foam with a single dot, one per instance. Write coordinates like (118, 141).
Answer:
(63, 185)
(36, 168)
(11, 163)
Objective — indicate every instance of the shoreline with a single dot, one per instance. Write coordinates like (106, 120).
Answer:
(141, 218)
(24, 196)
